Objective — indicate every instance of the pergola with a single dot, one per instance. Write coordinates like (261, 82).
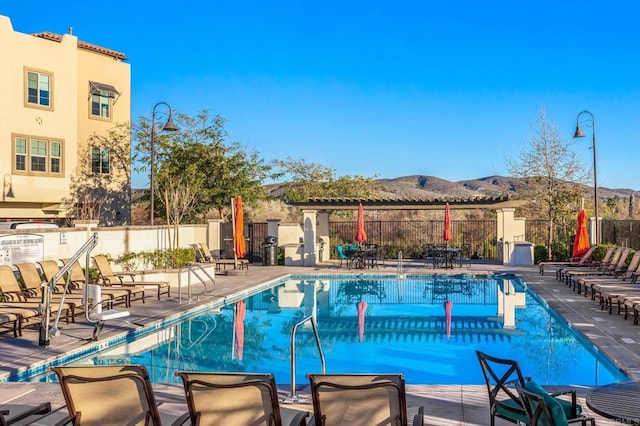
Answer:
(332, 204)
(301, 246)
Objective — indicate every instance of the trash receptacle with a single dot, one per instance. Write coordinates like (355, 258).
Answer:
(270, 250)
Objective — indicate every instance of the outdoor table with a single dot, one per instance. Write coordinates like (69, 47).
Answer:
(618, 401)
(447, 254)
(361, 256)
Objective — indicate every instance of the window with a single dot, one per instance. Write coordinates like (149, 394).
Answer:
(101, 96)
(100, 161)
(36, 155)
(38, 86)
(101, 104)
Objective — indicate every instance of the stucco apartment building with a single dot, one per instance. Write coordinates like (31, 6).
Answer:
(60, 98)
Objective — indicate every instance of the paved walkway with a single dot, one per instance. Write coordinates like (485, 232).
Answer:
(444, 405)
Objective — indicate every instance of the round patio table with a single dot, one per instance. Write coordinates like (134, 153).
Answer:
(618, 401)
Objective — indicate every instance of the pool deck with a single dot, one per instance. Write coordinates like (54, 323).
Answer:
(444, 404)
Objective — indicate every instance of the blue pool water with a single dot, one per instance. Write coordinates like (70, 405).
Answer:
(404, 328)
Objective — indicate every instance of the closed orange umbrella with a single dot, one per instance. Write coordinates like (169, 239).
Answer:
(362, 308)
(446, 235)
(361, 235)
(238, 324)
(581, 243)
(239, 245)
(448, 305)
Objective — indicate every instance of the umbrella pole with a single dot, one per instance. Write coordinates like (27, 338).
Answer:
(233, 225)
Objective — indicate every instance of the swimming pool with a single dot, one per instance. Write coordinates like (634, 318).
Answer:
(426, 327)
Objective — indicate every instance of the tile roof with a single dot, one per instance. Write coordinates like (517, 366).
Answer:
(83, 45)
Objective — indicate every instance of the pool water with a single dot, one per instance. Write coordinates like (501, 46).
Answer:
(427, 328)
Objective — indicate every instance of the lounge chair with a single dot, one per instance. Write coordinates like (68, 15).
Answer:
(126, 279)
(360, 399)
(77, 281)
(109, 395)
(585, 260)
(617, 261)
(31, 279)
(16, 297)
(234, 399)
(208, 256)
(23, 414)
(501, 376)
(595, 265)
(543, 409)
(592, 285)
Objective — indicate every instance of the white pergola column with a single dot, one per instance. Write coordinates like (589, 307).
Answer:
(506, 233)
(309, 230)
(323, 234)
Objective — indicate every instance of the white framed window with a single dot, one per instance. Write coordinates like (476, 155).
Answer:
(38, 89)
(37, 156)
(100, 160)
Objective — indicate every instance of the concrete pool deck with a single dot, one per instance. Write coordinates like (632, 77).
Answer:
(444, 404)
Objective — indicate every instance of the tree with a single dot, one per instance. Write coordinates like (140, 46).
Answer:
(99, 188)
(201, 154)
(554, 175)
(306, 180)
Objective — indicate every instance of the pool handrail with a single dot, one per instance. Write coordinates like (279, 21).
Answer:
(192, 269)
(314, 326)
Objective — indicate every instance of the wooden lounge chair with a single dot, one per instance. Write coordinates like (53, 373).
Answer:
(501, 376)
(360, 399)
(234, 399)
(77, 281)
(124, 279)
(109, 395)
(222, 263)
(585, 260)
(543, 409)
(16, 296)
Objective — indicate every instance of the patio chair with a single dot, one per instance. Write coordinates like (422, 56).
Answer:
(361, 399)
(342, 256)
(234, 399)
(126, 279)
(110, 395)
(543, 409)
(501, 376)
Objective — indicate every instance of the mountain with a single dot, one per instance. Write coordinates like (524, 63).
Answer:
(419, 186)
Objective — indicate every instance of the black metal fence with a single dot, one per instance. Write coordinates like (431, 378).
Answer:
(411, 236)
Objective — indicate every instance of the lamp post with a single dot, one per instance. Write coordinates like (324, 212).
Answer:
(591, 121)
(170, 127)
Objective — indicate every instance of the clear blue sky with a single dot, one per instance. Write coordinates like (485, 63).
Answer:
(446, 88)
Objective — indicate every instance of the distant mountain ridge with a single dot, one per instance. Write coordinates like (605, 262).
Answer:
(421, 186)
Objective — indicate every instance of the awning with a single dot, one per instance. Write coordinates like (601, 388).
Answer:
(98, 88)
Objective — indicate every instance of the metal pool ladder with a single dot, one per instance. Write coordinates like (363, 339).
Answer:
(314, 326)
(192, 269)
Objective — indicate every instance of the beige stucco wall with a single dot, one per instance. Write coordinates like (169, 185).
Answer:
(68, 120)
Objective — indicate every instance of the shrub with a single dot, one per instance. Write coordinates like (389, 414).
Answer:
(560, 251)
(540, 254)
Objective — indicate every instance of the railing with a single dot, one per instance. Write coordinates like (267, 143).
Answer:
(192, 269)
(314, 326)
(399, 273)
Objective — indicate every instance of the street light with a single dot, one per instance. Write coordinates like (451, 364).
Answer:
(580, 134)
(168, 126)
